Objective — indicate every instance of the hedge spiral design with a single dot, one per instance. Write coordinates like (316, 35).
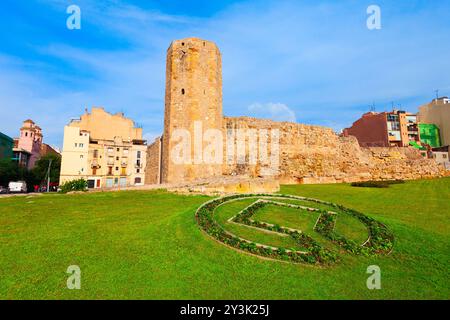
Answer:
(380, 241)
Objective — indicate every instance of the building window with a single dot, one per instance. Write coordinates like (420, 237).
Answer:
(110, 171)
(110, 150)
(94, 171)
(81, 156)
(138, 170)
(137, 180)
(138, 154)
(76, 144)
(124, 172)
(26, 134)
(118, 149)
(182, 91)
(81, 145)
(392, 117)
(117, 168)
(95, 153)
(125, 151)
(444, 156)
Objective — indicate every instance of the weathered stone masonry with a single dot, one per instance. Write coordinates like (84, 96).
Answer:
(193, 93)
(307, 154)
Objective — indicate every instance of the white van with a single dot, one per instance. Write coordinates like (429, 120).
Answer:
(17, 186)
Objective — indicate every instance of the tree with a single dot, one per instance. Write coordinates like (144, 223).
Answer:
(8, 171)
(41, 168)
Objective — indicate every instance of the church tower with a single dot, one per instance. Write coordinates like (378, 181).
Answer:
(193, 104)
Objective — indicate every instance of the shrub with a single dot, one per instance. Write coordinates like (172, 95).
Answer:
(371, 184)
(74, 185)
(376, 184)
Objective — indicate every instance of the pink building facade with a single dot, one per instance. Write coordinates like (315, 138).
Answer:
(30, 140)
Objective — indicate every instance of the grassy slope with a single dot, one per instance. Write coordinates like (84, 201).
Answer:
(147, 245)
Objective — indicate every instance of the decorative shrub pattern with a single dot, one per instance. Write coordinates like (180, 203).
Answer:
(380, 241)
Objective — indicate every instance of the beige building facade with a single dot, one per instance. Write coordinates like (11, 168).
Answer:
(105, 149)
(437, 112)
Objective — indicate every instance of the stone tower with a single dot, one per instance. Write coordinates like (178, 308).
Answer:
(193, 104)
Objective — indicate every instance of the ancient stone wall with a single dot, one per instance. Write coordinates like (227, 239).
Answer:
(313, 154)
(152, 169)
(305, 153)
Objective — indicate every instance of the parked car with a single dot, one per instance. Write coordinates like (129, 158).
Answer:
(3, 190)
(17, 186)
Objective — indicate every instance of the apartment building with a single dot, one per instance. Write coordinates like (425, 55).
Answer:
(6, 146)
(438, 113)
(430, 135)
(105, 149)
(386, 129)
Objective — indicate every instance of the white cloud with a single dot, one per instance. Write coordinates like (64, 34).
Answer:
(274, 111)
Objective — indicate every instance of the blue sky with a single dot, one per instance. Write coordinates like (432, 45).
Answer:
(312, 61)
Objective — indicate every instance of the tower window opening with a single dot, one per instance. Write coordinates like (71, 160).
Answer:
(182, 43)
(182, 91)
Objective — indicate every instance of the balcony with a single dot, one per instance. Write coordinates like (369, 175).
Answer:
(95, 164)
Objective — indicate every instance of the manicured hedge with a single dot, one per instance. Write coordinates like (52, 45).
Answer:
(376, 184)
(381, 240)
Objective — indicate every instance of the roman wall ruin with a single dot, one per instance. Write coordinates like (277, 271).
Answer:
(305, 153)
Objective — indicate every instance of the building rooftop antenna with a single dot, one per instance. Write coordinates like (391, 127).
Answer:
(437, 94)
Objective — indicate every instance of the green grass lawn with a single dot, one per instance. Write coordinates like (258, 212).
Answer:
(147, 245)
(288, 217)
